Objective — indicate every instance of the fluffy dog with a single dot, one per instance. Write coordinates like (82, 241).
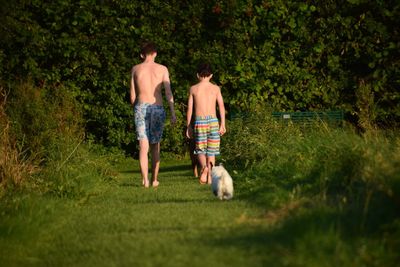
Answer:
(222, 184)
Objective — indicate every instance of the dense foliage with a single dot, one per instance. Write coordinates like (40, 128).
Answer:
(289, 55)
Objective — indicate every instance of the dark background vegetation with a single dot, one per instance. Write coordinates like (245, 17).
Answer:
(285, 55)
(327, 196)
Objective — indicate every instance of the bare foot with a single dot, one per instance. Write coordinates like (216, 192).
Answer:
(156, 183)
(204, 175)
(146, 183)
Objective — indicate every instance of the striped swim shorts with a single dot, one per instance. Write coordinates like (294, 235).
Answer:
(206, 134)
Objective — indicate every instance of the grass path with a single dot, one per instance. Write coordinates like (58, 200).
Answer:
(120, 223)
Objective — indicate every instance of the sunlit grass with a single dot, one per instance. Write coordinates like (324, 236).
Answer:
(303, 197)
(123, 223)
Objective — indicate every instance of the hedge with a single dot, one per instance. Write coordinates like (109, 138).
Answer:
(287, 55)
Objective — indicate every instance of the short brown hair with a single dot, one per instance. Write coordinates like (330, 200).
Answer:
(148, 48)
(204, 70)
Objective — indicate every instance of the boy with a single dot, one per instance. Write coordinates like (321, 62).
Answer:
(203, 98)
(147, 80)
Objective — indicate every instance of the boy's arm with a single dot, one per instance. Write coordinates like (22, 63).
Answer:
(221, 107)
(189, 114)
(132, 92)
(169, 96)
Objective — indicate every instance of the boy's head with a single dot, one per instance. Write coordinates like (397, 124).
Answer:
(148, 48)
(204, 70)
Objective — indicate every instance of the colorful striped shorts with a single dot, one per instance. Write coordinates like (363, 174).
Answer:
(206, 134)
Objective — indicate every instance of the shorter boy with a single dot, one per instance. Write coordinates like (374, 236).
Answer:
(203, 98)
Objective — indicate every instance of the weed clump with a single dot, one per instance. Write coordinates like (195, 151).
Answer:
(14, 168)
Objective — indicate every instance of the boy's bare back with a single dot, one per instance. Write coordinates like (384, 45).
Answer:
(205, 97)
(149, 78)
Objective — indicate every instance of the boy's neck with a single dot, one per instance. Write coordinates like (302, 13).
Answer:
(150, 58)
(204, 79)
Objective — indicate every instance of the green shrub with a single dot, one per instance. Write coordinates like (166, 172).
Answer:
(356, 174)
(44, 129)
(43, 119)
(284, 54)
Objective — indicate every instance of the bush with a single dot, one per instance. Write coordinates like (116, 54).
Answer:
(41, 129)
(358, 175)
(281, 53)
(44, 119)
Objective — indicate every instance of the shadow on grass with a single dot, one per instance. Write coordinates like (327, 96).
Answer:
(151, 199)
(185, 167)
(131, 184)
(298, 237)
(163, 169)
(314, 236)
(261, 233)
(164, 181)
(130, 171)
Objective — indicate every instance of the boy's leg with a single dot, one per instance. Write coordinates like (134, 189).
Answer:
(155, 160)
(210, 164)
(194, 165)
(144, 161)
(200, 135)
(193, 157)
(204, 169)
(141, 125)
(213, 142)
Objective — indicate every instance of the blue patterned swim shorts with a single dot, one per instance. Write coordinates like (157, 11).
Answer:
(149, 121)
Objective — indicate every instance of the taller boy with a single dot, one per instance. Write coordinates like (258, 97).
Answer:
(203, 98)
(148, 79)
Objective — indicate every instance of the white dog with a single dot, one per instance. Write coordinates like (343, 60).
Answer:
(222, 184)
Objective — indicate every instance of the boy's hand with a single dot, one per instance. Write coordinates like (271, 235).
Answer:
(189, 132)
(222, 130)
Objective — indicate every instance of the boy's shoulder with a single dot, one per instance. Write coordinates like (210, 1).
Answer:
(142, 64)
(161, 66)
(214, 87)
(208, 85)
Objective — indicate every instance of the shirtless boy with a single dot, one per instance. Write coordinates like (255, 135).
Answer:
(203, 98)
(148, 79)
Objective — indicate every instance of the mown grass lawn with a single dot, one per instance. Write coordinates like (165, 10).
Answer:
(119, 223)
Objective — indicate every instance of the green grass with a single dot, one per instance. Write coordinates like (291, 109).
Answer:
(119, 223)
(324, 198)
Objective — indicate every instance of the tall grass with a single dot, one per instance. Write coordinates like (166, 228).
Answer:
(42, 129)
(14, 168)
(319, 159)
(291, 171)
